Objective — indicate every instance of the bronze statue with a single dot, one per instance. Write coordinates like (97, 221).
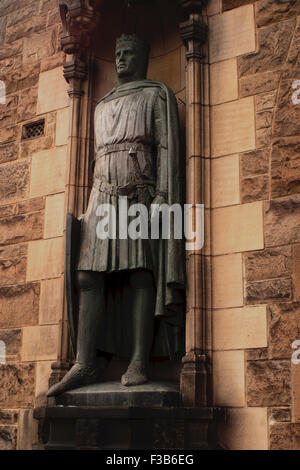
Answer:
(130, 291)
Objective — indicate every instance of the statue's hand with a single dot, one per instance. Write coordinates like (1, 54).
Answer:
(81, 217)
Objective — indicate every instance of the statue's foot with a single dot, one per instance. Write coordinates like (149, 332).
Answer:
(78, 376)
(136, 374)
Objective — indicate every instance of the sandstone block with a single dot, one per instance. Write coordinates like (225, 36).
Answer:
(2, 29)
(245, 429)
(8, 152)
(284, 323)
(54, 215)
(38, 46)
(237, 228)
(225, 181)
(274, 42)
(40, 343)
(19, 305)
(45, 259)
(255, 189)
(32, 205)
(231, 34)
(271, 11)
(284, 436)
(12, 270)
(6, 211)
(282, 221)
(48, 172)
(10, 50)
(213, 7)
(280, 415)
(255, 162)
(259, 83)
(240, 328)
(8, 416)
(8, 134)
(296, 392)
(268, 264)
(265, 101)
(21, 228)
(285, 167)
(29, 147)
(12, 340)
(292, 66)
(14, 181)
(229, 378)
(62, 126)
(227, 279)
(274, 290)
(268, 383)
(27, 105)
(43, 372)
(17, 385)
(53, 91)
(51, 302)
(223, 82)
(25, 28)
(230, 4)
(296, 271)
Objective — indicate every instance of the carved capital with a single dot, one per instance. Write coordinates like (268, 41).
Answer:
(75, 72)
(79, 18)
(194, 34)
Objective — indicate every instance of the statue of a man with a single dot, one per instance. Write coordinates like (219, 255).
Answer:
(130, 289)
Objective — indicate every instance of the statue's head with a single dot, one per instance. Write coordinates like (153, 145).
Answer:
(132, 56)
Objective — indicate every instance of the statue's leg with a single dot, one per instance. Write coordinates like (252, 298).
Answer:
(87, 368)
(142, 326)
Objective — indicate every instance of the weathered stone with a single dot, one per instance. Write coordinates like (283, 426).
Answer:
(10, 50)
(264, 137)
(282, 221)
(22, 14)
(281, 414)
(256, 354)
(10, 66)
(292, 66)
(6, 119)
(11, 102)
(32, 205)
(8, 437)
(268, 383)
(265, 101)
(274, 290)
(8, 152)
(7, 6)
(12, 340)
(284, 326)
(19, 30)
(47, 5)
(17, 385)
(6, 211)
(285, 167)
(53, 62)
(8, 416)
(27, 104)
(230, 4)
(284, 436)
(22, 78)
(28, 147)
(264, 119)
(274, 42)
(12, 271)
(268, 264)
(8, 134)
(20, 228)
(287, 114)
(2, 29)
(14, 181)
(13, 250)
(19, 305)
(272, 11)
(255, 189)
(53, 17)
(296, 272)
(259, 83)
(40, 45)
(255, 162)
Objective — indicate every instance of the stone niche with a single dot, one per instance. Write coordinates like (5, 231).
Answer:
(158, 23)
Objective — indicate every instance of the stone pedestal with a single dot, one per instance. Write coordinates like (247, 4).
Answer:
(109, 416)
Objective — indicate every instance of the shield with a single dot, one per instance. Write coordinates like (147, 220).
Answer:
(73, 229)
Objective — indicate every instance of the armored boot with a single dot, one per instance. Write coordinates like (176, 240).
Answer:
(88, 369)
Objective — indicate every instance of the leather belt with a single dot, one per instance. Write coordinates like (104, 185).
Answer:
(130, 190)
(131, 148)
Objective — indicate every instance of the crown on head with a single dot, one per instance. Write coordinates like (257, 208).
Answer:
(132, 38)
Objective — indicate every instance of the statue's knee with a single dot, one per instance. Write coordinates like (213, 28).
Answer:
(88, 280)
(141, 279)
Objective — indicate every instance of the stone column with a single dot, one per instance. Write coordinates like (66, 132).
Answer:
(79, 18)
(193, 382)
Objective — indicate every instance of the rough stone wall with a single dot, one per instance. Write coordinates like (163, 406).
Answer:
(255, 143)
(32, 186)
